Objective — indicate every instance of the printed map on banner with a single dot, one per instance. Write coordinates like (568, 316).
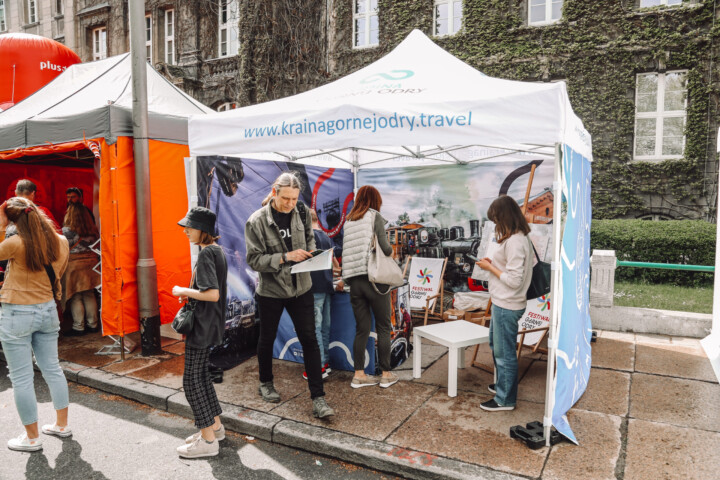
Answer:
(424, 280)
(537, 315)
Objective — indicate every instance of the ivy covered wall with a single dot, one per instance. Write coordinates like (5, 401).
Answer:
(598, 47)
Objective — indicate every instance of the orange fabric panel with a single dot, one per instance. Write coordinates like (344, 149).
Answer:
(43, 150)
(119, 238)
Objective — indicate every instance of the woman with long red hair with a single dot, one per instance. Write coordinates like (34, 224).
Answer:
(364, 223)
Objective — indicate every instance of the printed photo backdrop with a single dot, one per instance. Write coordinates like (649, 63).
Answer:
(234, 188)
(438, 211)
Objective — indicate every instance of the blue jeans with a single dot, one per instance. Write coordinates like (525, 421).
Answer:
(28, 329)
(503, 342)
(322, 325)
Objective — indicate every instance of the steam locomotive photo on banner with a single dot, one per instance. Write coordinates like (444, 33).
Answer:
(234, 188)
(438, 211)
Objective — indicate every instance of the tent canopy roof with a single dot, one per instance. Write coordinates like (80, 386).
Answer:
(417, 104)
(91, 100)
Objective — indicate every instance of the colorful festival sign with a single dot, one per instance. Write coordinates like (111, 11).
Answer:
(424, 280)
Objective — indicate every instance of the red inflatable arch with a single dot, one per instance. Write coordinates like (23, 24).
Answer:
(28, 63)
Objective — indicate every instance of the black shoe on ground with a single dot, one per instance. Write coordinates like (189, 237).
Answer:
(74, 333)
(321, 409)
(268, 392)
(491, 388)
(92, 329)
(493, 406)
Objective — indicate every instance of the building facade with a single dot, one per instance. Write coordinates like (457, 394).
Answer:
(47, 18)
(643, 75)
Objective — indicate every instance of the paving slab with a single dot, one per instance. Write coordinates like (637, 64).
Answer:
(240, 384)
(83, 350)
(652, 339)
(176, 348)
(608, 391)
(597, 455)
(658, 450)
(473, 379)
(676, 401)
(627, 337)
(615, 353)
(135, 363)
(458, 428)
(380, 456)
(369, 412)
(71, 370)
(531, 386)
(168, 373)
(676, 360)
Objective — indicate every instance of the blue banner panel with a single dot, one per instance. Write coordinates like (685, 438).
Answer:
(575, 330)
(234, 188)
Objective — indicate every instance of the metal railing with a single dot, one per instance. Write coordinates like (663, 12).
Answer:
(667, 266)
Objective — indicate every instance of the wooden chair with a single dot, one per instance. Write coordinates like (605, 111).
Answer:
(427, 312)
(520, 345)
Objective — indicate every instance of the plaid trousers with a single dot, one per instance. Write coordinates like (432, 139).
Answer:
(199, 389)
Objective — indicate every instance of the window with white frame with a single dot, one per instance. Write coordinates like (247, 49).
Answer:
(59, 7)
(366, 29)
(228, 33)
(544, 12)
(448, 17)
(223, 107)
(170, 37)
(660, 111)
(656, 3)
(99, 42)
(3, 24)
(31, 15)
(148, 38)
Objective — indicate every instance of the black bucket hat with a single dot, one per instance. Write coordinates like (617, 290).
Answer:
(200, 218)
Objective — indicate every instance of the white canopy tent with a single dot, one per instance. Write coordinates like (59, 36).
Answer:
(416, 106)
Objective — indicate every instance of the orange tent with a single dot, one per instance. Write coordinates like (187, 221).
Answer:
(83, 119)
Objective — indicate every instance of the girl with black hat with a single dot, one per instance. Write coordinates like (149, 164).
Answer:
(208, 292)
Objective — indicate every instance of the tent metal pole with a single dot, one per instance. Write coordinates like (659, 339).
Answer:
(355, 166)
(146, 268)
(555, 282)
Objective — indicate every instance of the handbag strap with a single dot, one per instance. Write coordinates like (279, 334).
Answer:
(51, 275)
(533, 247)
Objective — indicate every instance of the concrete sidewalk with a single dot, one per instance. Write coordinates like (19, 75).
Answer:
(651, 410)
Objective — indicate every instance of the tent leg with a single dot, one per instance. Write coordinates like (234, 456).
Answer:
(555, 283)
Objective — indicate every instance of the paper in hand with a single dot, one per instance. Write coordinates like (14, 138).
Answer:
(322, 261)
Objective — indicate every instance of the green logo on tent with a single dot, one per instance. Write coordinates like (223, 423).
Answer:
(392, 75)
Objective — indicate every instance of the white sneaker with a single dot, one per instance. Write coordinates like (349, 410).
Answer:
(199, 448)
(219, 435)
(24, 444)
(57, 431)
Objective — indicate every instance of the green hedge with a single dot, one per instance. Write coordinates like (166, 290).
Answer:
(690, 242)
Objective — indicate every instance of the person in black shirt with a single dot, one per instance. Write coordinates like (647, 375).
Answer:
(209, 295)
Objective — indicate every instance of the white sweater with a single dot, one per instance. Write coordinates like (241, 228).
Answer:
(514, 258)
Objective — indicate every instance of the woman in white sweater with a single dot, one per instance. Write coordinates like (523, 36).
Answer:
(511, 269)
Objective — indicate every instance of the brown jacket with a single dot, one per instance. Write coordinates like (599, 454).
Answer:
(24, 287)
